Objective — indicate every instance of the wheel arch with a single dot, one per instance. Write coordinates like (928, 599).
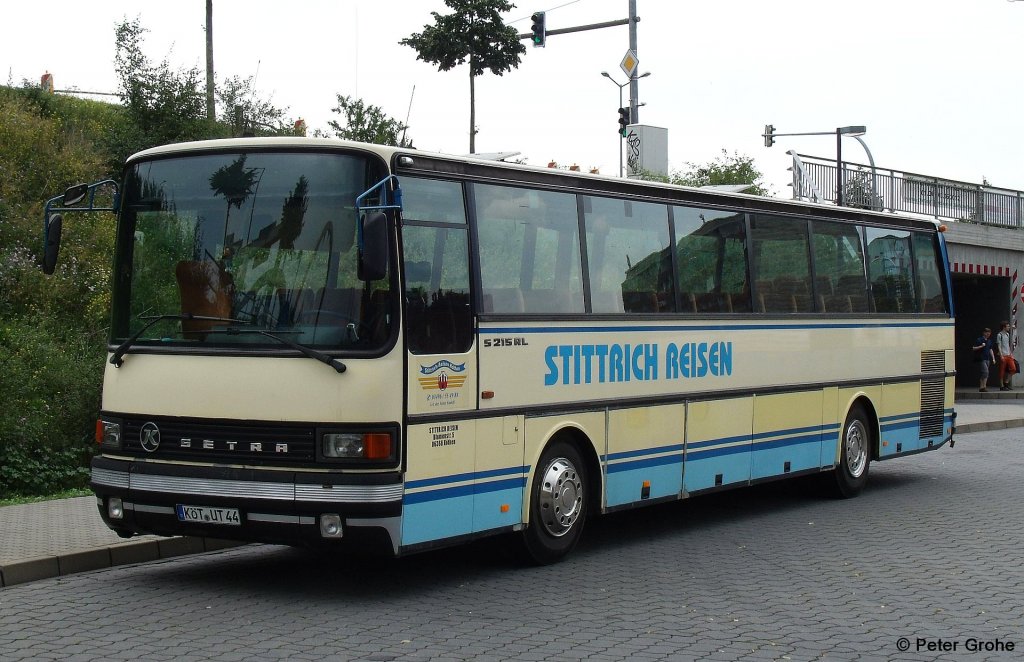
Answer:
(582, 442)
(874, 427)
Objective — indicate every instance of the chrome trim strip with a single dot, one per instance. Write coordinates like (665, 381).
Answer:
(212, 487)
(250, 489)
(111, 478)
(349, 493)
(276, 519)
(258, 490)
(159, 510)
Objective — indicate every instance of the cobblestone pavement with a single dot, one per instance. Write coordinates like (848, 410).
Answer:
(930, 552)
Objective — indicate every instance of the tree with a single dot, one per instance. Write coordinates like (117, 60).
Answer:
(163, 105)
(475, 34)
(367, 123)
(726, 169)
(258, 115)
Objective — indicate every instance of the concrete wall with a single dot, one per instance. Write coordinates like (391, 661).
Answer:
(988, 268)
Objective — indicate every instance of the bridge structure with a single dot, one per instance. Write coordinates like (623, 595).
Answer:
(984, 235)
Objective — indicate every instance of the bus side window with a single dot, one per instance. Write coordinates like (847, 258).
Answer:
(782, 256)
(838, 267)
(890, 268)
(530, 259)
(712, 256)
(439, 319)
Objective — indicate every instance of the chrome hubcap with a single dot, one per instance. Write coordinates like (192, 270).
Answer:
(856, 446)
(561, 497)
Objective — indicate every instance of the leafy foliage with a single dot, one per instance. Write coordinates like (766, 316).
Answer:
(726, 169)
(367, 123)
(53, 329)
(163, 105)
(51, 338)
(473, 34)
(238, 95)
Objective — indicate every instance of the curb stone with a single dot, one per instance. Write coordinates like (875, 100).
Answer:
(46, 567)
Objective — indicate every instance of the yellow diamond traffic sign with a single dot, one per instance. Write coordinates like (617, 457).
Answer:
(629, 63)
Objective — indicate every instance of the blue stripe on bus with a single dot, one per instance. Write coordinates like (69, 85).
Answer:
(646, 463)
(697, 445)
(791, 431)
(464, 490)
(910, 423)
(787, 441)
(714, 327)
(646, 451)
(458, 478)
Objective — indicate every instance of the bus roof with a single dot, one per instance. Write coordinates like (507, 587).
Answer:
(425, 162)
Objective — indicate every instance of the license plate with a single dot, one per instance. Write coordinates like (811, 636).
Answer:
(207, 515)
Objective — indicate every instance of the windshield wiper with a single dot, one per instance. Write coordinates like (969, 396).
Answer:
(117, 359)
(307, 351)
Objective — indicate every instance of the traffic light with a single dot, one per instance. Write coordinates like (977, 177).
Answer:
(623, 121)
(538, 29)
(769, 135)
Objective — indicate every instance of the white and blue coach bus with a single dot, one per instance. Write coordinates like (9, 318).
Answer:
(324, 342)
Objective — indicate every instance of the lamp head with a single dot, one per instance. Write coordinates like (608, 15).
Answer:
(852, 130)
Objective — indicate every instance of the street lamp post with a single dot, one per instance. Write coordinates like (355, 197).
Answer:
(853, 132)
(630, 81)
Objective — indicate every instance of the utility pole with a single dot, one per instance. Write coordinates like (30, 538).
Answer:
(634, 88)
(211, 107)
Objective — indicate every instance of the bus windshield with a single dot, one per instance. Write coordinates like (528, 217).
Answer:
(228, 246)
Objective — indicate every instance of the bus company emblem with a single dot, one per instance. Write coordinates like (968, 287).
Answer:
(442, 375)
(149, 436)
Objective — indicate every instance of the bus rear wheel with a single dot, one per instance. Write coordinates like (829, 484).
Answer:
(558, 505)
(854, 455)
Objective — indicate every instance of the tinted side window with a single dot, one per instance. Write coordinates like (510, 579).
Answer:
(435, 246)
(529, 250)
(711, 247)
(929, 274)
(628, 256)
(890, 270)
(839, 282)
(782, 273)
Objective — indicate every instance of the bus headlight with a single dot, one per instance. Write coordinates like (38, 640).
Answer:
(358, 446)
(108, 434)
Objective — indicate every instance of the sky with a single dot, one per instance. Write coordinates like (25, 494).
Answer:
(936, 82)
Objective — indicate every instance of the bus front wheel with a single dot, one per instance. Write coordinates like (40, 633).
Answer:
(558, 505)
(854, 455)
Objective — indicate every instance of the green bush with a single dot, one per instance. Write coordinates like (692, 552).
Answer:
(52, 338)
(50, 385)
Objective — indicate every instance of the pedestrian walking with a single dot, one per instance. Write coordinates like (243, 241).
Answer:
(984, 357)
(1007, 365)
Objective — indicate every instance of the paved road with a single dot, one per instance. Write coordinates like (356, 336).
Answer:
(931, 551)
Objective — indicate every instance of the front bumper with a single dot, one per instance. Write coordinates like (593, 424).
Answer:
(275, 506)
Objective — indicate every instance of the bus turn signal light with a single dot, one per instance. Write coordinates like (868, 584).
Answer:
(377, 445)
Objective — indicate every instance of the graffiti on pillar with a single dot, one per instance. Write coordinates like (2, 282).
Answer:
(1014, 287)
(633, 152)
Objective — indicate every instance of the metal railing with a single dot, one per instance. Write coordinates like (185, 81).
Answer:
(898, 191)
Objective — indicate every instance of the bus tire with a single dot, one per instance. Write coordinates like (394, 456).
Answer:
(855, 455)
(558, 505)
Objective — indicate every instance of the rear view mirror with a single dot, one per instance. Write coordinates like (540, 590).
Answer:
(373, 254)
(52, 247)
(75, 194)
